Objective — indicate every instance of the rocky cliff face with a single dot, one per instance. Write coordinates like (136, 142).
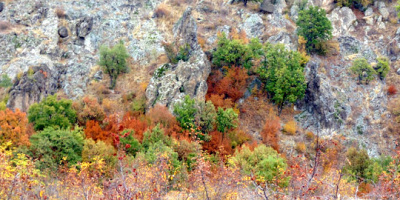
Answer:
(69, 34)
(52, 46)
(185, 78)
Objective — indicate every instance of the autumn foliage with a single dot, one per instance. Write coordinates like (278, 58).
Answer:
(270, 131)
(225, 89)
(13, 127)
(392, 90)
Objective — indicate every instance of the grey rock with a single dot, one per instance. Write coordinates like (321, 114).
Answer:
(294, 12)
(98, 75)
(284, 38)
(327, 5)
(369, 12)
(381, 25)
(398, 71)
(253, 25)
(383, 10)
(185, 30)
(84, 26)
(350, 46)
(1, 6)
(63, 32)
(32, 88)
(398, 31)
(185, 78)
(267, 6)
(342, 20)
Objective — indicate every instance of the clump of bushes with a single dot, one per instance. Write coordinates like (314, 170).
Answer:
(175, 54)
(382, 68)
(363, 70)
(290, 128)
(52, 113)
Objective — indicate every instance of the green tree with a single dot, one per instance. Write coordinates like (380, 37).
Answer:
(51, 147)
(185, 112)
(314, 26)
(235, 52)
(52, 113)
(226, 119)
(358, 163)
(129, 143)
(264, 162)
(363, 70)
(283, 75)
(113, 61)
(206, 116)
(382, 68)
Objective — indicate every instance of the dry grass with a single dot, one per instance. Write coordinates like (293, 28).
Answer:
(290, 128)
(162, 11)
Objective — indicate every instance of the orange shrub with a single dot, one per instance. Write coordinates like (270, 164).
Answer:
(88, 109)
(269, 133)
(233, 85)
(392, 90)
(13, 127)
(218, 144)
(133, 123)
(160, 114)
(290, 128)
(94, 131)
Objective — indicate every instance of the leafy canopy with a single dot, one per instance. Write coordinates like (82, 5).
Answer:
(51, 147)
(235, 52)
(314, 26)
(283, 74)
(113, 61)
(52, 113)
(363, 70)
(185, 112)
(382, 68)
(264, 162)
(226, 119)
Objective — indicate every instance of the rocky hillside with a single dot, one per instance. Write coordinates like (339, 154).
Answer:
(49, 47)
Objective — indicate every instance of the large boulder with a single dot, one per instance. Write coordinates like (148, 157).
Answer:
(35, 84)
(383, 10)
(253, 25)
(84, 26)
(171, 83)
(342, 21)
(267, 6)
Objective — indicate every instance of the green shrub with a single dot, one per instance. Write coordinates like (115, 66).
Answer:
(113, 61)
(363, 70)
(185, 113)
(283, 75)
(52, 113)
(264, 162)
(382, 68)
(5, 81)
(314, 26)
(175, 55)
(358, 163)
(139, 104)
(356, 3)
(52, 147)
(130, 144)
(206, 116)
(226, 119)
(235, 52)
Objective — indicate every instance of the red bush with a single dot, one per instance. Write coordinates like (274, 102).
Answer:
(392, 90)
(94, 131)
(269, 133)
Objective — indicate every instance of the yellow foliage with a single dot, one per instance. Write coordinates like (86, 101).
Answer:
(290, 128)
(301, 147)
